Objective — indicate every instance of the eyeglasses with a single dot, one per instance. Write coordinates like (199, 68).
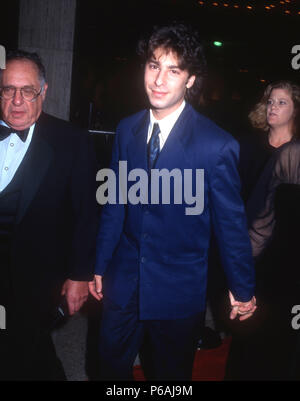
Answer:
(28, 93)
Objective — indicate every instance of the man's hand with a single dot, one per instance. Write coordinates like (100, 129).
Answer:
(95, 287)
(76, 293)
(245, 309)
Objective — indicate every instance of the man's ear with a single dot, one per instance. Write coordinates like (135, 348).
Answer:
(44, 91)
(190, 81)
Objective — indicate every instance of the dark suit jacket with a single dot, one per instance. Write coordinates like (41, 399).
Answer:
(160, 249)
(56, 223)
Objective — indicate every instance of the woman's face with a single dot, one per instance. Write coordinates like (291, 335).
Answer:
(280, 109)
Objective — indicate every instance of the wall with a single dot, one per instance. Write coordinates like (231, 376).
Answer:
(47, 27)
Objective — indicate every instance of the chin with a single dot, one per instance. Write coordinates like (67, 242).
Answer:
(157, 104)
(19, 125)
(154, 101)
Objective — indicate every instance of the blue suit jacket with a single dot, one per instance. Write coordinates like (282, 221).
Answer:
(158, 248)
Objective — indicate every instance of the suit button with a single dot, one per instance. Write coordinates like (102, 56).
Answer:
(143, 259)
(147, 212)
(145, 235)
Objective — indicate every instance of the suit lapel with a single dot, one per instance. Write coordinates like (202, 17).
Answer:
(36, 163)
(137, 147)
(173, 148)
(172, 154)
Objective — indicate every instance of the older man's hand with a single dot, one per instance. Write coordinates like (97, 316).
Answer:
(76, 293)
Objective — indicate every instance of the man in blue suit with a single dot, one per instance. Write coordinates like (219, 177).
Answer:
(153, 255)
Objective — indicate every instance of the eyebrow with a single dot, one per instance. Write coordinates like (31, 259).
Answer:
(169, 66)
(19, 87)
(280, 98)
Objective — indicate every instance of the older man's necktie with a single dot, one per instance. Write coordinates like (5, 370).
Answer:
(153, 146)
(6, 131)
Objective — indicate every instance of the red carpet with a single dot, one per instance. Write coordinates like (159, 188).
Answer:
(209, 364)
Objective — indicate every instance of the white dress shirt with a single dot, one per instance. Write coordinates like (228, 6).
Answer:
(12, 152)
(165, 124)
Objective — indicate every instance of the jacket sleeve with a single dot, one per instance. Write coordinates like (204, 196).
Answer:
(283, 168)
(112, 217)
(84, 210)
(230, 224)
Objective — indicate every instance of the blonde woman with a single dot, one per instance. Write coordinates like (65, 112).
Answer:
(269, 347)
(275, 120)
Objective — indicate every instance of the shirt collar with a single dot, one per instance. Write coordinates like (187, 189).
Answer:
(4, 123)
(166, 124)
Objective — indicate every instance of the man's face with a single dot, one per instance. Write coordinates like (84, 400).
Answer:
(17, 112)
(165, 82)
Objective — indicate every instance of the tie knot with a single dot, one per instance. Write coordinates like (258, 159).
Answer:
(153, 146)
(155, 129)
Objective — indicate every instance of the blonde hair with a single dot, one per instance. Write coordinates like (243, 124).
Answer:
(258, 116)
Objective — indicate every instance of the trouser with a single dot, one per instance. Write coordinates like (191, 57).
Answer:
(27, 351)
(166, 347)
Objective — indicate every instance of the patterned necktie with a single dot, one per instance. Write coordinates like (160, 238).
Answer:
(153, 146)
(6, 131)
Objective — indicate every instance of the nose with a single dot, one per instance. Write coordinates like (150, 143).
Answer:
(18, 99)
(159, 79)
(275, 105)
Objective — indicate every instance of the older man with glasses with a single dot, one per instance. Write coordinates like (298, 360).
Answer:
(48, 217)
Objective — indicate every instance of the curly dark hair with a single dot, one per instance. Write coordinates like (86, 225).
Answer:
(31, 56)
(183, 40)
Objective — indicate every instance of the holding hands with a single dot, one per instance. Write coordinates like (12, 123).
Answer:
(245, 309)
(95, 287)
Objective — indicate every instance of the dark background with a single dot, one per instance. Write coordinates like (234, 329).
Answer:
(107, 81)
(256, 50)
(9, 13)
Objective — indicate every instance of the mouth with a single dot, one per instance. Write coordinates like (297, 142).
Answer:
(17, 113)
(158, 93)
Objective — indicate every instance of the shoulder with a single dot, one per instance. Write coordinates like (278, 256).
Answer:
(207, 132)
(133, 120)
(289, 152)
(291, 147)
(286, 163)
(129, 126)
(58, 132)
(57, 127)
(207, 126)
